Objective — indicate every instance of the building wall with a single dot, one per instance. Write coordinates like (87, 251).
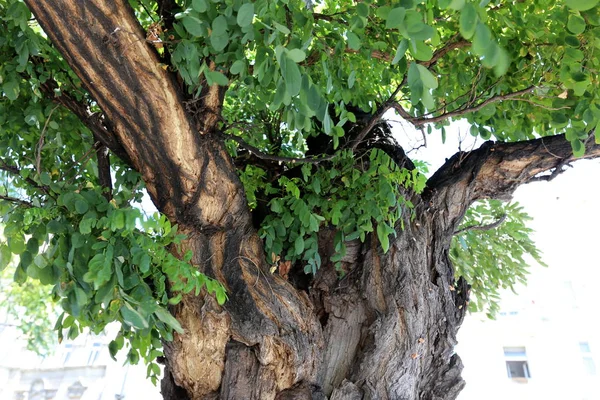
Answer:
(79, 369)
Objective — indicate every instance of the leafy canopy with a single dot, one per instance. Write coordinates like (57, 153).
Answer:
(294, 71)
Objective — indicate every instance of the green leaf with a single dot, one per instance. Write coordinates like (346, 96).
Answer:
(421, 51)
(5, 256)
(145, 263)
(16, 244)
(245, 15)
(383, 237)
(200, 5)
(502, 62)
(219, 38)
(576, 24)
(483, 39)
(221, 296)
(81, 206)
(581, 5)
(299, 245)
(194, 26)
(11, 89)
(296, 55)
(291, 75)
(453, 4)
(468, 21)
(40, 261)
(281, 28)
(572, 41)
(237, 67)
(395, 18)
(578, 148)
(216, 78)
(351, 79)
(168, 319)
(132, 317)
(428, 79)
(400, 51)
(353, 40)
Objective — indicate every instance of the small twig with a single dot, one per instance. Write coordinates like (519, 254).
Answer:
(38, 156)
(481, 227)
(270, 157)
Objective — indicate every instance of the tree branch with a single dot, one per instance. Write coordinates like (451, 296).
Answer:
(94, 122)
(480, 227)
(495, 170)
(422, 121)
(445, 50)
(104, 177)
(264, 156)
(17, 173)
(15, 200)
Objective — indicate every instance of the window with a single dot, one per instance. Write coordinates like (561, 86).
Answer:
(68, 350)
(94, 353)
(588, 360)
(516, 363)
(517, 369)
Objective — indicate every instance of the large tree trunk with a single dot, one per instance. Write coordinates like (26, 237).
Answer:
(386, 330)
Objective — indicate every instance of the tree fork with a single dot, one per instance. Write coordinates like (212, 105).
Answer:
(385, 330)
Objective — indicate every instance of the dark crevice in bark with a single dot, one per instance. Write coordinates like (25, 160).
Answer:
(169, 389)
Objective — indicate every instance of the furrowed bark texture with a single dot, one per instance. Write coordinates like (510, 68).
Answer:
(386, 330)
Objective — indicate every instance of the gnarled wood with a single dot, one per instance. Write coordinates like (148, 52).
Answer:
(386, 330)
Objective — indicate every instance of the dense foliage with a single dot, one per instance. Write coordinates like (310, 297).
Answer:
(294, 71)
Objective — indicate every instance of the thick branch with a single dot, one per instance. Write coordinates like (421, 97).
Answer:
(495, 170)
(104, 177)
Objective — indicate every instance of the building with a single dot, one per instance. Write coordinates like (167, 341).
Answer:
(545, 344)
(79, 369)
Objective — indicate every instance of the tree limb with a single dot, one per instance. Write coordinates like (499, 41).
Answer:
(106, 47)
(17, 173)
(495, 170)
(94, 122)
(15, 200)
(104, 177)
(480, 227)
(264, 156)
(419, 121)
(441, 52)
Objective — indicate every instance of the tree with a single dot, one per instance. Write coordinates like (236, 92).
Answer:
(257, 129)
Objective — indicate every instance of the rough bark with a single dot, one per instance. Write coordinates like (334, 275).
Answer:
(384, 331)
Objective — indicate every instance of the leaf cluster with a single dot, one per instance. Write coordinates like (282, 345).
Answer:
(354, 196)
(494, 259)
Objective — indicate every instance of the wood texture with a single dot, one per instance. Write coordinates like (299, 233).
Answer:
(386, 330)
